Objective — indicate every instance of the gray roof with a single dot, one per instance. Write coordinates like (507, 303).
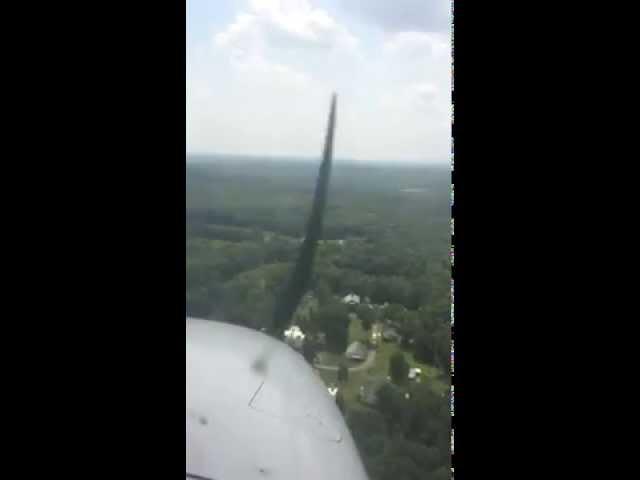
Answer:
(357, 348)
(390, 333)
(244, 415)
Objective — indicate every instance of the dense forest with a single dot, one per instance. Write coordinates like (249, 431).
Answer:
(386, 238)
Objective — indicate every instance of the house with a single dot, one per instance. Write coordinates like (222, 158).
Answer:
(351, 299)
(333, 390)
(294, 336)
(414, 373)
(356, 351)
(390, 335)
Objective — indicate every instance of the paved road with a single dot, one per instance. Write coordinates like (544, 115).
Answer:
(371, 357)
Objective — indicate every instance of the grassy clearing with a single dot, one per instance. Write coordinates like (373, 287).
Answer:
(328, 376)
(330, 359)
(356, 332)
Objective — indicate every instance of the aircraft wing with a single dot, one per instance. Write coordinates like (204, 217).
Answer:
(245, 424)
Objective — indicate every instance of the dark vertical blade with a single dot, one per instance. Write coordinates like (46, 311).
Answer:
(301, 275)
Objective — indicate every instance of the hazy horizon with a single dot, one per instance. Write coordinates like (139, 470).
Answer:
(260, 74)
(198, 156)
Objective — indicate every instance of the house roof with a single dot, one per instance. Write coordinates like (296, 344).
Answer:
(390, 332)
(294, 332)
(352, 297)
(357, 348)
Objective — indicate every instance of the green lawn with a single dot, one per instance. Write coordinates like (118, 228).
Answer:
(356, 332)
(328, 358)
(328, 376)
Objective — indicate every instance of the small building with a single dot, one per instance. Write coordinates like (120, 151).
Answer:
(414, 373)
(294, 336)
(333, 390)
(390, 335)
(356, 351)
(351, 299)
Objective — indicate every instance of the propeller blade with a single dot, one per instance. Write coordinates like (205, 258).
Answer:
(299, 281)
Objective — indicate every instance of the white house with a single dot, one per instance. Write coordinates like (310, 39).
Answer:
(333, 391)
(294, 336)
(414, 373)
(351, 299)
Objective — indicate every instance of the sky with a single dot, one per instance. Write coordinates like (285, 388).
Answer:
(260, 74)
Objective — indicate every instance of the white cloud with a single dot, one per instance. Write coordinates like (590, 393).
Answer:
(284, 24)
(418, 43)
(258, 70)
(262, 85)
(273, 41)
